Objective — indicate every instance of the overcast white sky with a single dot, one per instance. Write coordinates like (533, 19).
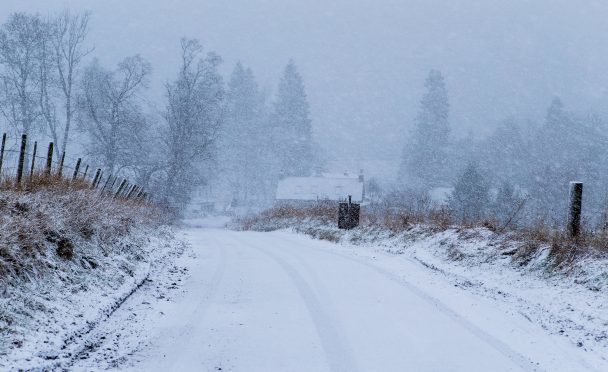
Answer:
(364, 61)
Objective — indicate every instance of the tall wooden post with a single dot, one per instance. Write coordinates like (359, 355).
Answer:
(21, 158)
(99, 179)
(122, 185)
(125, 190)
(76, 169)
(112, 185)
(574, 215)
(33, 160)
(95, 178)
(49, 159)
(86, 170)
(60, 171)
(2, 153)
(106, 184)
(132, 191)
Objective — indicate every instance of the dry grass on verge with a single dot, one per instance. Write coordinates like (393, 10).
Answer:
(284, 215)
(563, 250)
(397, 219)
(529, 241)
(47, 218)
(390, 218)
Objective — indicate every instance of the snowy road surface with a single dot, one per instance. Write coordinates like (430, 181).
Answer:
(284, 302)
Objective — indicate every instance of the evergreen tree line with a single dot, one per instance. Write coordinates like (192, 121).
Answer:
(518, 174)
(263, 141)
(52, 86)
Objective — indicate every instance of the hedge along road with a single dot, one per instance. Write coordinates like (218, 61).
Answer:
(284, 302)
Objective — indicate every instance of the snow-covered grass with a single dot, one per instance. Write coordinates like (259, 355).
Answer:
(556, 282)
(523, 243)
(68, 258)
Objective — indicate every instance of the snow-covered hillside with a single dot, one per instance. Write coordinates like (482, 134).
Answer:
(68, 259)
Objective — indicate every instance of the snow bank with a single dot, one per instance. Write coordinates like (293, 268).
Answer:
(68, 259)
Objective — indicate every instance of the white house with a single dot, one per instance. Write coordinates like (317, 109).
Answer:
(440, 196)
(324, 187)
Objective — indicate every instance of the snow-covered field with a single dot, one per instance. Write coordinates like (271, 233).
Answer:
(281, 301)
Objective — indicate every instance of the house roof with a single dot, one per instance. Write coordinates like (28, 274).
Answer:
(441, 195)
(320, 188)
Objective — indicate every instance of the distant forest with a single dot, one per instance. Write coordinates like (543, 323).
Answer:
(227, 132)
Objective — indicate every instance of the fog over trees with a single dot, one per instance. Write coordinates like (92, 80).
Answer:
(426, 157)
(232, 129)
(235, 127)
(110, 112)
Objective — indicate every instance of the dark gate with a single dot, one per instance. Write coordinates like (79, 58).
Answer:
(348, 215)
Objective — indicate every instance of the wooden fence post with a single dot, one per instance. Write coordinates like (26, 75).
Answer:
(2, 154)
(86, 169)
(132, 191)
(125, 190)
(128, 191)
(574, 215)
(99, 180)
(122, 185)
(76, 169)
(21, 158)
(111, 189)
(106, 184)
(60, 172)
(95, 178)
(33, 160)
(49, 159)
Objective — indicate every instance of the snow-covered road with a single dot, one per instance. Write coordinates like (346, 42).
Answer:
(284, 302)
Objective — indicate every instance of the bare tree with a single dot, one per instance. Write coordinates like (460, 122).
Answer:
(193, 116)
(47, 84)
(20, 47)
(110, 109)
(68, 38)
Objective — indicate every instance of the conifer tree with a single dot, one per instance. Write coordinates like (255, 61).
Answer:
(245, 140)
(504, 151)
(293, 125)
(555, 146)
(506, 202)
(469, 200)
(425, 158)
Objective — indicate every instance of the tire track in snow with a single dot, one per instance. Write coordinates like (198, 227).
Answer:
(523, 362)
(337, 352)
(209, 291)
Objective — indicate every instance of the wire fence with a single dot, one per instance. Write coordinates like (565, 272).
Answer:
(21, 163)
